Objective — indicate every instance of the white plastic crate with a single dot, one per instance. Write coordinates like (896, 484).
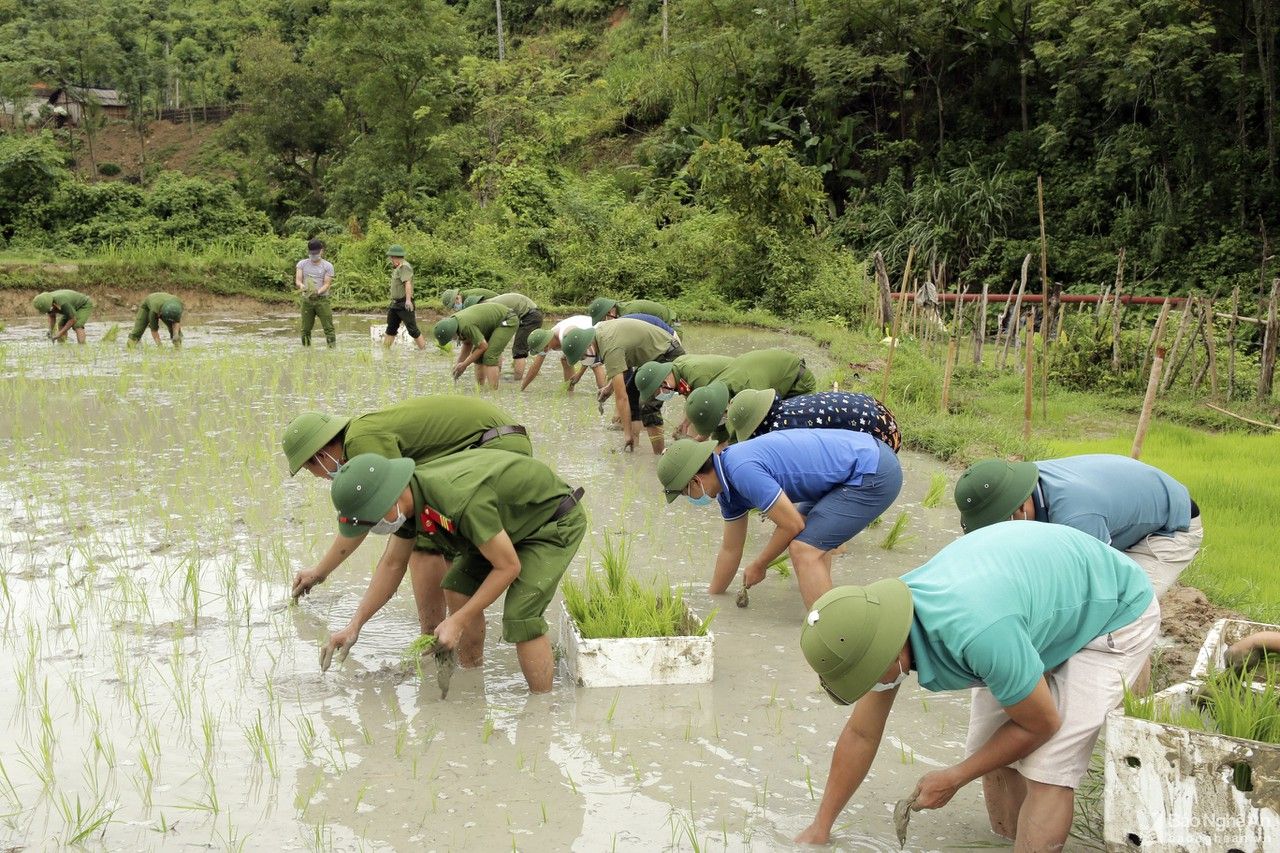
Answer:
(1173, 789)
(630, 661)
(1221, 636)
(378, 332)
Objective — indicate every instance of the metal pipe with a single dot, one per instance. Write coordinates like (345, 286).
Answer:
(1037, 298)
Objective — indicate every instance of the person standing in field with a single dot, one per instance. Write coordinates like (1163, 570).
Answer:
(401, 309)
(544, 341)
(514, 525)
(312, 277)
(530, 320)
(68, 307)
(156, 308)
(421, 429)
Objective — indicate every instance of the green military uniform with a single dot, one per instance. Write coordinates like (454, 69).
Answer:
(400, 275)
(695, 371)
(453, 300)
(72, 304)
(779, 369)
(398, 311)
(602, 306)
(490, 322)
(150, 315)
(530, 319)
(625, 344)
(463, 501)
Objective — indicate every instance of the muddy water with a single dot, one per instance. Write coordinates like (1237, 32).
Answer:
(161, 693)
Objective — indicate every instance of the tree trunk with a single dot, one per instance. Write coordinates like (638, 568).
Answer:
(502, 40)
(1116, 308)
(981, 326)
(1156, 334)
(1265, 33)
(1187, 308)
(665, 32)
(1267, 374)
(1231, 342)
(1012, 332)
(886, 293)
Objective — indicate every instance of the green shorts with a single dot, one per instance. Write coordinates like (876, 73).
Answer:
(82, 317)
(499, 339)
(544, 557)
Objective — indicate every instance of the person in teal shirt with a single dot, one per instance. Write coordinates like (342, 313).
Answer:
(1046, 622)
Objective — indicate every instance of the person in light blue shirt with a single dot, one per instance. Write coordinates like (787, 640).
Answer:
(1129, 505)
(820, 487)
(1046, 623)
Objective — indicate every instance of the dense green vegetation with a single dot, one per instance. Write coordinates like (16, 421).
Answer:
(751, 154)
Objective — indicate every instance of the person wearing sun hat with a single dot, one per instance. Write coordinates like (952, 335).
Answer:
(455, 300)
(623, 345)
(157, 307)
(1130, 505)
(820, 488)
(401, 309)
(530, 320)
(514, 525)
(484, 329)
(72, 307)
(779, 369)
(604, 308)
(422, 429)
(1050, 625)
(544, 341)
(753, 413)
(682, 376)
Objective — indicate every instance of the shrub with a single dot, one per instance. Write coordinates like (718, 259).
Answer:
(109, 170)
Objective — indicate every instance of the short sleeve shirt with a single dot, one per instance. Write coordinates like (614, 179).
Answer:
(70, 301)
(314, 274)
(517, 302)
(697, 371)
(470, 497)
(155, 301)
(625, 344)
(805, 464)
(399, 277)
(646, 306)
(477, 323)
(1113, 498)
(998, 607)
(568, 324)
(763, 369)
(482, 292)
(424, 428)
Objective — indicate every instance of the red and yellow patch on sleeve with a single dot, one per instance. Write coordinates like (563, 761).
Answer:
(431, 521)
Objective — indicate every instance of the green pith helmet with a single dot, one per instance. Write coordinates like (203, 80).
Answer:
(746, 410)
(448, 299)
(43, 303)
(853, 633)
(649, 377)
(682, 460)
(365, 489)
(599, 307)
(396, 251)
(538, 340)
(575, 344)
(445, 331)
(171, 311)
(306, 434)
(706, 407)
(474, 299)
(992, 490)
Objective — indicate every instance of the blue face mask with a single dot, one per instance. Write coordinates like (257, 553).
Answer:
(664, 396)
(702, 501)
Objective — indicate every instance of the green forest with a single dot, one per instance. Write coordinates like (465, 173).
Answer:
(722, 154)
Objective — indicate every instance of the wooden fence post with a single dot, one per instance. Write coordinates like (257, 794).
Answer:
(1144, 420)
(1267, 373)
(885, 293)
(1116, 308)
(1016, 316)
(1231, 342)
(897, 320)
(1029, 376)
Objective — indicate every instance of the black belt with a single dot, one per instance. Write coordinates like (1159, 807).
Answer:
(498, 432)
(566, 506)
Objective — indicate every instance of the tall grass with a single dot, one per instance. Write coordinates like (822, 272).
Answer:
(1232, 477)
(612, 603)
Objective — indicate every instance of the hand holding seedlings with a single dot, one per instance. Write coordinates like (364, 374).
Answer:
(304, 581)
(901, 818)
(935, 790)
(1253, 649)
(743, 598)
(339, 646)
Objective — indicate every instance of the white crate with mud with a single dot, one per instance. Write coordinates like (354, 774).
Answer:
(1170, 788)
(378, 332)
(1221, 636)
(628, 661)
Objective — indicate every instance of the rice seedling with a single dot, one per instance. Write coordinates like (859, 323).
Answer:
(937, 490)
(897, 533)
(82, 821)
(1244, 703)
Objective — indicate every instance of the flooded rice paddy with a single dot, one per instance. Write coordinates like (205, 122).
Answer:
(160, 692)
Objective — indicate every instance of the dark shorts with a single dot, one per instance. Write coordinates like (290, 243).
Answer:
(845, 511)
(649, 413)
(397, 313)
(529, 322)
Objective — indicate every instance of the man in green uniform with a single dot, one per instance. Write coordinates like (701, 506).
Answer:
(514, 524)
(624, 345)
(605, 308)
(779, 369)
(682, 376)
(530, 319)
(401, 308)
(455, 300)
(484, 330)
(71, 308)
(422, 429)
(313, 276)
(155, 308)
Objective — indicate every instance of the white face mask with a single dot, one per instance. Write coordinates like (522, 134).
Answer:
(664, 396)
(314, 256)
(336, 466)
(384, 527)
(882, 688)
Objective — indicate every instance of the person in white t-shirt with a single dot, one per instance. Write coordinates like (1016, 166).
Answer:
(542, 341)
(313, 276)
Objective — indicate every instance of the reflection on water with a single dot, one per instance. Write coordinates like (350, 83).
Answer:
(163, 693)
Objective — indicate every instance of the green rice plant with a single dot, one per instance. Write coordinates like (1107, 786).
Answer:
(780, 564)
(897, 532)
(1244, 703)
(110, 335)
(612, 603)
(937, 490)
(82, 822)
(1146, 706)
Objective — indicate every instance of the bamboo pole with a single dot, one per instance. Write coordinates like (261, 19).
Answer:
(981, 327)
(952, 346)
(897, 319)
(1187, 310)
(884, 294)
(1102, 302)
(1231, 342)
(1211, 353)
(1028, 378)
(1268, 367)
(1148, 402)
(1044, 263)
(1156, 334)
(1016, 317)
(1116, 308)
(1242, 417)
